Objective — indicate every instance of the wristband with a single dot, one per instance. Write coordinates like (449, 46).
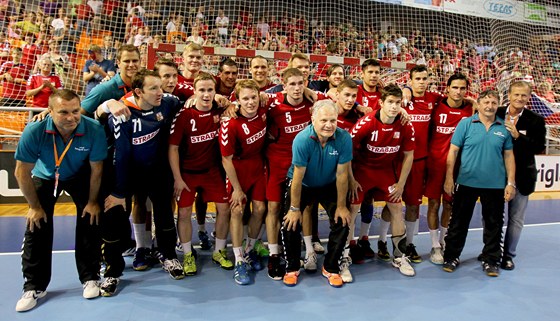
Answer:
(511, 184)
(294, 209)
(105, 108)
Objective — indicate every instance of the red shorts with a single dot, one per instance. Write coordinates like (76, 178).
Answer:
(414, 188)
(210, 186)
(377, 181)
(277, 172)
(252, 178)
(435, 182)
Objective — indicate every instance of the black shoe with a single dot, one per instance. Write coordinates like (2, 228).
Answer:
(356, 253)
(109, 286)
(490, 269)
(451, 265)
(507, 263)
(275, 269)
(205, 244)
(412, 254)
(382, 252)
(480, 257)
(364, 244)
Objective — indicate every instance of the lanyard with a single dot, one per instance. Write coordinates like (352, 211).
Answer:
(58, 161)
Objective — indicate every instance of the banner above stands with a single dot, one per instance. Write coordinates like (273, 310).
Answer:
(509, 10)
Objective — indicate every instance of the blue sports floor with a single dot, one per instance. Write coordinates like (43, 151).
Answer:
(379, 292)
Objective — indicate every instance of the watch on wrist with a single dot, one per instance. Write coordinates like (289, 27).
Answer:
(293, 208)
(511, 184)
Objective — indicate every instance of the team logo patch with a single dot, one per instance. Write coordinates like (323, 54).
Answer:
(396, 135)
(159, 116)
(216, 119)
(430, 106)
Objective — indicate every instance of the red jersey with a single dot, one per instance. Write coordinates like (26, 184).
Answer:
(184, 88)
(41, 99)
(14, 90)
(348, 121)
(285, 121)
(29, 55)
(443, 126)
(244, 137)
(368, 99)
(377, 145)
(196, 134)
(420, 110)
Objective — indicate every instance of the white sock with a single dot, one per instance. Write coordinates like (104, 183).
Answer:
(273, 249)
(250, 244)
(187, 247)
(148, 237)
(434, 235)
(220, 244)
(383, 229)
(409, 231)
(442, 234)
(364, 229)
(346, 252)
(140, 235)
(238, 252)
(202, 227)
(308, 244)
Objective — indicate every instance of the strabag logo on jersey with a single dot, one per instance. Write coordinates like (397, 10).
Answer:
(142, 139)
(204, 137)
(445, 130)
(420, 118)
(256, 137)
(384, 149)
(295, 128)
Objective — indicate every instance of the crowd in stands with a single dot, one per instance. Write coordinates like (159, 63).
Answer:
(65, 30)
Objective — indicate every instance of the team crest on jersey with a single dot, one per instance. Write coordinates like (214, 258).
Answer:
(263, 116)
(159, 116)
(396, 135)
(216, 119)
(430, 106)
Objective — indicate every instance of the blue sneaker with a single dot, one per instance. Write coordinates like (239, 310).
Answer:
(142, 259)
(241, 274)
(253, 259)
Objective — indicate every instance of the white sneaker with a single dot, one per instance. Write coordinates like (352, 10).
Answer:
(29, 300)
(310, 262)
(436, 255)
(345, 270)
(91, 289)
(403, 264)
(318, 248)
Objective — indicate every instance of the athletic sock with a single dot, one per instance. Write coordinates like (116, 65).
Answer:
(202, 227)
(187, 247)
(364, 229)
(308, 244)
(249, 244)
(409, 231)
(220, 244)
(140, 235)
(238, 252)
(434, 235)
(273, 249)
(383, 229)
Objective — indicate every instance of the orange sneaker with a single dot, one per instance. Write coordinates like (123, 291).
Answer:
(334, 278)
(290, 278)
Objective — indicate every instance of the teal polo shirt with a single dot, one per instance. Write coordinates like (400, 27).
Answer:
(320, 162)
(36, 146)
(112, 89)
(482, 160)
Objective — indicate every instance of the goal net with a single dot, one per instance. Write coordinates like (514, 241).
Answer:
(492, 41)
